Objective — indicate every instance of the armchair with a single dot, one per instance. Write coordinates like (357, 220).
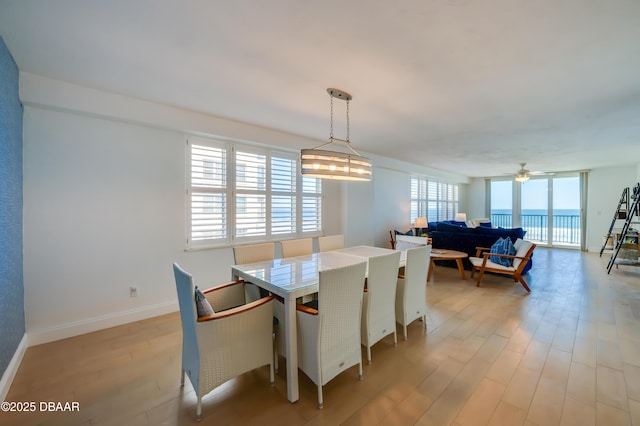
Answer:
(482, 263)
(236, 338)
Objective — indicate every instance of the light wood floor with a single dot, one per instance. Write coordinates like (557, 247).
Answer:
(568, 353)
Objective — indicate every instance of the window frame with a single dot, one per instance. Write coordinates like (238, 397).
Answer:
(232, 194)
(433, 199)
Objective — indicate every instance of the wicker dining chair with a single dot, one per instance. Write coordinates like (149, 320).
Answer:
(234, 339)
(411, 297)
(299, 247)
(378, 302)
(251, 253)
(329, 337)
(330, 242)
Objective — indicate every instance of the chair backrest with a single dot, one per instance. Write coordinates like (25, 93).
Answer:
(339, 308)
(392, 240)
(381, 284)
(523, 249)
(330, 242)
(188, 317)
(404, 242)
(415, 272)
(299, 247)
(253, 253)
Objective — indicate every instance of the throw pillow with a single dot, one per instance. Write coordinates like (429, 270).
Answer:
(409, 232)
(502, 246)
(202, 304)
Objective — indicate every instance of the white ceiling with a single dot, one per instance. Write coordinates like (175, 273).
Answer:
(469, 86)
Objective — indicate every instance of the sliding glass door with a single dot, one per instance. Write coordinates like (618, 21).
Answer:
(547, 207)
(535, 211)
(502, 203)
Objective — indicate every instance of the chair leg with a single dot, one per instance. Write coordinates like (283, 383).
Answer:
(524, 284)
(424, 321)
(272, 378)
(360, 369)
(275, 353)
(320, 403)
(184, 373)
(395, 339)
(404, 327)
(199, 409)
(368, 354)
(480, 277)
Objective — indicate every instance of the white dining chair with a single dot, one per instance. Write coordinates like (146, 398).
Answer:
(330, 242)
(378, 302)
(299, 247)
(329, 337)
(218, 346)
(251, 253)
(411, 293)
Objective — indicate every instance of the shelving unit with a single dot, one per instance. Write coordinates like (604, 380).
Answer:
(609, 242)
(625, 240)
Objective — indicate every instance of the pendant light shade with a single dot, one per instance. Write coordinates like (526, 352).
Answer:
(339, 165)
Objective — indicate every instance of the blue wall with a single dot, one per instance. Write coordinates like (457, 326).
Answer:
(12, 325)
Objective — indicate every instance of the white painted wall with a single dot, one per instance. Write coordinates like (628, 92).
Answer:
(605, 187)
(104, 205)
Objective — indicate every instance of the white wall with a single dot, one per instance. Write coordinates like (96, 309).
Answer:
(104, 205)
(476, 199)
(605, 187)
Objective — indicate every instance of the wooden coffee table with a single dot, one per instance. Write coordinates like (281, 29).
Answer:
(443, 254)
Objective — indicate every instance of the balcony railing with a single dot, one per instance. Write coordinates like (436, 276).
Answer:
(566, 228)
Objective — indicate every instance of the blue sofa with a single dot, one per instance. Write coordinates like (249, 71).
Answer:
(457, 236)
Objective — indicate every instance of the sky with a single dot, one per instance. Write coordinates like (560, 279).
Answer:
(566, 193)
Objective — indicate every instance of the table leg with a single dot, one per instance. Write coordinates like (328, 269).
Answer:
(291, 341)
(461, 269)
(431, 266)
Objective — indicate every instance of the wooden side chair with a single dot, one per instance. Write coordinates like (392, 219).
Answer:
(482, 263)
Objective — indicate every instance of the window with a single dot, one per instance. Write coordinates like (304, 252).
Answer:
(241, 193)
(434, 200)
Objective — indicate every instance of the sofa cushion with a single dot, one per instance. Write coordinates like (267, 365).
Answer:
(512, 233)
(502, 246)
(448, 227)
(522, 247)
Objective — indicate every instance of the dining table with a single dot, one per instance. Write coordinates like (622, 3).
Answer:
(294, 277)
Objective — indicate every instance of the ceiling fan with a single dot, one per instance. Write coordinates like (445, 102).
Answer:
(523, 174)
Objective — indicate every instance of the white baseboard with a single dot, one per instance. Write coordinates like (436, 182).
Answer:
(63, 331)
(12, 368)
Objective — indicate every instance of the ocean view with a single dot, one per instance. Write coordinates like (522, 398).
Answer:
(565, 225)
(540, 212)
